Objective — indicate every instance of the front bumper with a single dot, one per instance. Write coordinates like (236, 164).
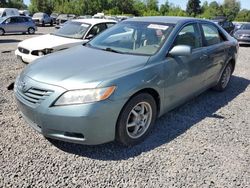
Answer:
(89, 124)
(243, 40)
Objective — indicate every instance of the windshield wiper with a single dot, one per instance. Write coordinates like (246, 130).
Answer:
(112, 50)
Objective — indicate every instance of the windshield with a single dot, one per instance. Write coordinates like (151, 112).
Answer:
(38, 15)
(245, 27)
(140, 38)
(72, 29)
(2, 19)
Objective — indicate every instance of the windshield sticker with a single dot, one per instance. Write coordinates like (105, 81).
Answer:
(156, 26)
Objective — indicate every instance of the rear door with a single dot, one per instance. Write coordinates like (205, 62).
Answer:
(22, 24)
(185, 74)
(215, 47)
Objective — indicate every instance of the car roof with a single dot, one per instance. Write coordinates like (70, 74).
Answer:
(163, 19)
(93, 21)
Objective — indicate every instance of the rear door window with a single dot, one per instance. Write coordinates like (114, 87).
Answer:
(212, 35)
(14, 20)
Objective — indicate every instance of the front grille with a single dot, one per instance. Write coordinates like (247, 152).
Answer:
(34, 95)
(23, 50)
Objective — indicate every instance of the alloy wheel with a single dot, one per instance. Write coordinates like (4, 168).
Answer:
(226, 76)
(139, 119)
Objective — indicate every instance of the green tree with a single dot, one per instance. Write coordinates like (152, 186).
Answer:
(193, 7)
(212, 10)
(3, 3)
(243, 16)
(164, 9)
(152, 5)
(41, 6)
(231, 8)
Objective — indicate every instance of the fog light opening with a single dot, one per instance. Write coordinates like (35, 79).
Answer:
(74, 135)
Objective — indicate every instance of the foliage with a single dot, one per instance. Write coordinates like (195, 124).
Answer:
(193, 7)
(228, 8)
(243, 16)
(13, 4)
(231, 8)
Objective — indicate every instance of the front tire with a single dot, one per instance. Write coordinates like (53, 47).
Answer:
(225, 78)
(136, 119)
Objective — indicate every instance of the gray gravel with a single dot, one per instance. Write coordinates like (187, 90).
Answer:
(204, 143)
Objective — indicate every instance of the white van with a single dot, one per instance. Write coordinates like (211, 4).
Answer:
(8, 12)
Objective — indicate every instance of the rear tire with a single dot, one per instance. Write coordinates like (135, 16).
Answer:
(1, 32)
(225, 78)
(43, 23)
(31, 31)
(51, 23)
(136, 119)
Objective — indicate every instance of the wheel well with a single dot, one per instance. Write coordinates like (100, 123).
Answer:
(153, 93)
(232, 61)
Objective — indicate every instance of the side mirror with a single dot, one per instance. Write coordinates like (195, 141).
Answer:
(181, 50)
(90, 36)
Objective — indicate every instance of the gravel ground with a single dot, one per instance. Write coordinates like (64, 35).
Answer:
(204, 143)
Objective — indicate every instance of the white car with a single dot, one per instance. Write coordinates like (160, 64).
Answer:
(74, 32)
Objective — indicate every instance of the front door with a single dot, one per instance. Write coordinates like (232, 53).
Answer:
(185, 75)
(11, 25)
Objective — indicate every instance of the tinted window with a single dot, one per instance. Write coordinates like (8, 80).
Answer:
(21, 19)
(4, 14)
(188, 36)
(110, 24)
(14, 20)
(211, 34)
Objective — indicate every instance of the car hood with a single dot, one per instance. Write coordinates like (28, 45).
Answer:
(243, 31)
(82, 67)
(48, 41)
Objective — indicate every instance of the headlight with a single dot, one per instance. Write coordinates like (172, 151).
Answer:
(42, 52)
(237, 35)
(84, 96)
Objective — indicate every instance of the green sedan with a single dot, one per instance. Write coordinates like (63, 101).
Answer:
(115, 86)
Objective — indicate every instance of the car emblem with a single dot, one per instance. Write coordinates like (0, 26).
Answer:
(23, 86)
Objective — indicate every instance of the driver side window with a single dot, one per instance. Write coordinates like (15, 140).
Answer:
(7, 21)
(188, 36)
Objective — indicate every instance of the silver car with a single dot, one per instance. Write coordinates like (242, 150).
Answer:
(115, 86)
(41, 18)
(243, 34)
(17, 24)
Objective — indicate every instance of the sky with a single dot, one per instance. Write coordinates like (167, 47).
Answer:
(182, 3)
